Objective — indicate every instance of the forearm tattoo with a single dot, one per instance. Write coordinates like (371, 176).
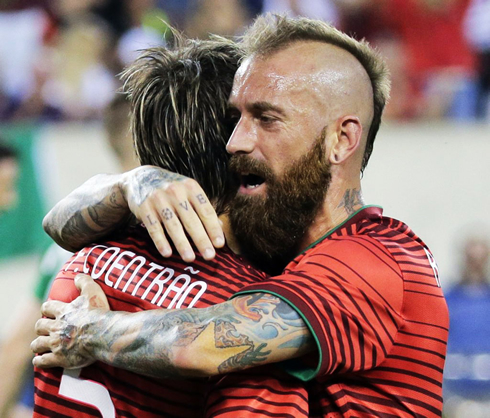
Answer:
(247, 331)
(89, 213)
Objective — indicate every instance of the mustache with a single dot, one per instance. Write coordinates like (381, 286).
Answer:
(240, 164)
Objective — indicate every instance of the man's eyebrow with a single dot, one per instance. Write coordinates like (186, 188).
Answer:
(257, 107)
(264, 107)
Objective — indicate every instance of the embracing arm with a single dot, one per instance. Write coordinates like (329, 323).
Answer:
(158, 198)
(90, 212)
(249, 330)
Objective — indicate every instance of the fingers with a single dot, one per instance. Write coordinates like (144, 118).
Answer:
(41, 345)
(53, 308)
(47, 360)
(175, 208)
(44, 326)
(197, 216)
(92, 291)
(152, 222)
(209, 219)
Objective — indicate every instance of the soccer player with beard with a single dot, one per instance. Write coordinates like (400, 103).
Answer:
(308, 101)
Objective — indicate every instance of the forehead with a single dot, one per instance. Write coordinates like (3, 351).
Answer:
(299, 69)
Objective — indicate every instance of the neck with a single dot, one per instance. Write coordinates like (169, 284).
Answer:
(343, 198)
(231, 241)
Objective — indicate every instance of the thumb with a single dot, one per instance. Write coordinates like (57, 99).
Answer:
(92, 291)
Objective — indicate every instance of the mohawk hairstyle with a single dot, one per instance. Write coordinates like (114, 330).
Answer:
(179, 99)
(271, 32)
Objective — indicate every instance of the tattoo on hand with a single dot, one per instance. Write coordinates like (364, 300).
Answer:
(150, 179)
(201, 198)
(167, 214)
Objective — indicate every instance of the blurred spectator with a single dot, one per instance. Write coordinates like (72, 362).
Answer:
(148, 27)
(477, 28)
(21, 40)
(9, 168)
(220, 17)
(440, 63)
(432, 64)
(56, 64)
(59, 60)
(467, 371)
(318, 9)
(76, 73)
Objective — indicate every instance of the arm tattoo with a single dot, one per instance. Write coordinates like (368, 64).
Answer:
(351, 201)
(90, 212)
(247, 331)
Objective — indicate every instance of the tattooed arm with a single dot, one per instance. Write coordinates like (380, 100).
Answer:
(90, 212)
(247, 331)
(155, 196)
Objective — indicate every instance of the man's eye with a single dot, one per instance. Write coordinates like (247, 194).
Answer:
(266, 119)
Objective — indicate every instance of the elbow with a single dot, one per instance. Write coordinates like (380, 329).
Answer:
(49, 227)
(56, 233)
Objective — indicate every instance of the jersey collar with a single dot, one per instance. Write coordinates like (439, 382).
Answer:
(368, 211)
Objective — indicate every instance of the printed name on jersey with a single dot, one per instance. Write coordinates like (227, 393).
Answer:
(433, 264)
(125, 271)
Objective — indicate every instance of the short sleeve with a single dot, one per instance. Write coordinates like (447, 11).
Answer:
(349, 292)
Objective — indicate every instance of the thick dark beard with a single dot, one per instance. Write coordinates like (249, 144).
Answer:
(269, 229)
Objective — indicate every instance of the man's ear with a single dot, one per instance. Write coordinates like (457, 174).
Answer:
(347, 139)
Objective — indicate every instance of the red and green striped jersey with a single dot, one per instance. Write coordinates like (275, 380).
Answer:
(135, 277)
(370, 294)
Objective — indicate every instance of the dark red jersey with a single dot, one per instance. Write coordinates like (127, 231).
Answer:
(370, 294)
(135, 277)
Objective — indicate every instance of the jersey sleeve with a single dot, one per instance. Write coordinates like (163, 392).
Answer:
(349, 292)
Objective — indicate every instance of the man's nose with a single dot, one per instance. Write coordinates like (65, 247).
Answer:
(243, 138)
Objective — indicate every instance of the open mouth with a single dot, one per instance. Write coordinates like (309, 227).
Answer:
(251, 181)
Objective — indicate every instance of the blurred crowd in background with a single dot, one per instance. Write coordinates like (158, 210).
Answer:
(59, 58)
(59, 61)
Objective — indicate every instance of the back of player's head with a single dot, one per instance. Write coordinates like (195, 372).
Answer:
(116, 124)
(179, 101)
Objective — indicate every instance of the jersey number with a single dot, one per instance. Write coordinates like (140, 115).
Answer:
(87, 392)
